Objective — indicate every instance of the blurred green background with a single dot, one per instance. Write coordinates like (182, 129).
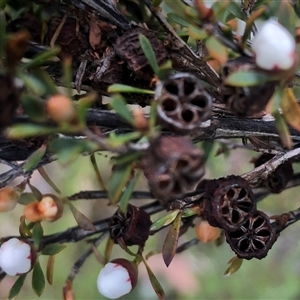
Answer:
(197, 273)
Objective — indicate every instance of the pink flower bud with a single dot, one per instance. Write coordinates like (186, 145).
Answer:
(50, 208)
(16, 257)
(274, 47)
(117, 278)
(8, 199)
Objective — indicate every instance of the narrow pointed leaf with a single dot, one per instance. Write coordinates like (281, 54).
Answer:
(283, 130)
(154, 282)
(83, 221)
(291, 109)
(37, 234)
(123, 88)
(124, 200)
(98, 255)
(38, 279)
(171, 241)
(98, 174)
(50, 269)
(117, 182)
(24, 229)
(53, 249)
(286, 15)
(33, 160)
(179, 20)
(235, 264)
(196, 33)
(36, 192)
(26, 198)
(246, 78)
(84, 104)
(149, 53)
(216, 50)
(46, 177)
(16, 288)
(276, 99)
(235, 9)
(28, 130)
(119, 140)
(152, 253)
(108, 249)
(120, 106)
(164, 221)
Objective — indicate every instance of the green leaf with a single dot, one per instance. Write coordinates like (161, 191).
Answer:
(68, 149)
(149, 53)
(108, 249)
(34, 108)
(119, 140)
(216, 50)
(2, 33)
(117, 182)
(84, 222)
(178, 20)
(124, 200)
(123, 88)
(286, 16)
(283, 130)
(235, 264)
(24, 229)
(235, 9)
(34, 84)
(120, 106)
(28, 130)
(127, 158)
(171, 241)
(45, 176)
(153, 115)
(16, 288)
(246, 78)
(38, 279)
(37, 234)
(196, 33)
(84, 104)
(50, 269)
(97, 171)
(188, 212)
(33, 160)
(26, 198)
(164, 221)
(40, 59)
(37, 193)
(53, 249)
(276, 99)
(154, 282)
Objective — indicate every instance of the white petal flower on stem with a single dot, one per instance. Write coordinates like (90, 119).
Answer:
(117, 278)
(274, 47)
(15, 257)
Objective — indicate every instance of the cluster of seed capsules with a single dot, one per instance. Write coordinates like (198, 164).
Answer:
(174, 166)
(229, 204)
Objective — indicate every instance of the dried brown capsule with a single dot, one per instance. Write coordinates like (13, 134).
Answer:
(248, 100)
(254, 238)
(173, 166)
(129, 49)
(228, 202)
(133, 226)
(278, 179)
(183, 103)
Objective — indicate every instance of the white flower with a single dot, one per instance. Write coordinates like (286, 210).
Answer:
(116, 280)
(15, 257)
(274, 47)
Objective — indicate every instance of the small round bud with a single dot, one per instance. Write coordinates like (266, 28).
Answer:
(274, 47)
(50, 208)
(17, 257)
(32, 212)
(8, 199)
(207, 233)
(117, 278)
(60, 108)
